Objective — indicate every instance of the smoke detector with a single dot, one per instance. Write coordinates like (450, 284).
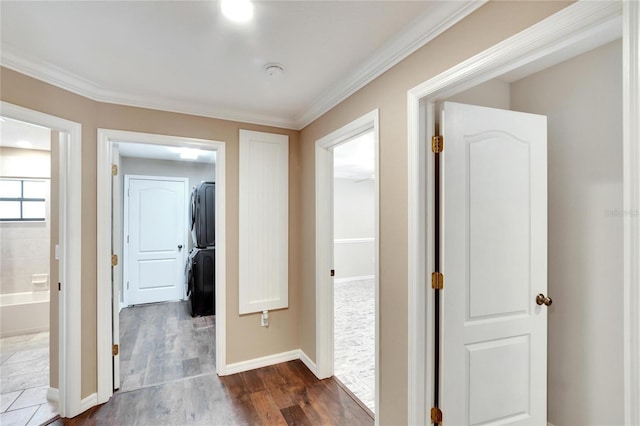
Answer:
(274, 70)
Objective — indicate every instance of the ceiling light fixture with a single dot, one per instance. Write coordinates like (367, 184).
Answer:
(237, 10)
(189, 154)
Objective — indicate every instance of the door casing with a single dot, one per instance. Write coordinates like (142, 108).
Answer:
(560, 30)
(324, 244)
(106, 140)
(70, 255)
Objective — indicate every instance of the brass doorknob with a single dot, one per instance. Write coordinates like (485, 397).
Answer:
(541, 299)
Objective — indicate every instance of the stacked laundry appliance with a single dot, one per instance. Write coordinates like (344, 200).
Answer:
(201, 265)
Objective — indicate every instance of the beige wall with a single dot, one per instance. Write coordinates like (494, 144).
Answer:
(293, 327)
(493, 94)
(245, 338)
(490, 24)
(582, 99)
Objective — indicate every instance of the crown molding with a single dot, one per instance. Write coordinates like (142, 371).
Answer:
(422, 30)
(57, 76)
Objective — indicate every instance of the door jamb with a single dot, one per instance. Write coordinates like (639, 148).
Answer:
(553, 33)
(106, 139)
(125, 227)
(70, 266)
(324, 243)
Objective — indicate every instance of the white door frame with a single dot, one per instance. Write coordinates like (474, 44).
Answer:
(324, 242)
(106, 139)
(68, 393)
(550, 35)
(125, 255)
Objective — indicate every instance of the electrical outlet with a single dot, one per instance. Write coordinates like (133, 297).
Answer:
(264, 319)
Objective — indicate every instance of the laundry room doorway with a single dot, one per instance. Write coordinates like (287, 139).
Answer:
(143, 180)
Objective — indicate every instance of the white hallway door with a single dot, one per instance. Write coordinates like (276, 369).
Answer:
(155, 239)
(494, 261)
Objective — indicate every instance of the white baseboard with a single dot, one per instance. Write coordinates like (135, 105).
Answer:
(264, 361)
(307, 361)
(359, 278)
(89, 402)
(53, 395)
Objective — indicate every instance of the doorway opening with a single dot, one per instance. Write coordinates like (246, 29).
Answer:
(354, 266)
(339, 182)
(602, 18)
(158, 340)
(26, 167)
(64, 256)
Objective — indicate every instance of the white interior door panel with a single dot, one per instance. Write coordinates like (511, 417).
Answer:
(494, 254)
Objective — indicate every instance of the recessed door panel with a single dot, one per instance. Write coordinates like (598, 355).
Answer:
(498, 199)
(492, 362)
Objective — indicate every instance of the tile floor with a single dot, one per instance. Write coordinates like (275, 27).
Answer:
(24, 380)
(354, 336)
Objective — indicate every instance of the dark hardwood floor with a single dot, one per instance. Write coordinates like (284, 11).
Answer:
(283, 394)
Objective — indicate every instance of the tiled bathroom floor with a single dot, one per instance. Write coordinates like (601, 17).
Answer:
(354, 338)
(24, 380)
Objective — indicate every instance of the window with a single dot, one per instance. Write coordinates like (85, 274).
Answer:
(22, 200)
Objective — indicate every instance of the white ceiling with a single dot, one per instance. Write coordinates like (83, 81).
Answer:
(355, 159)
(16, 134)
(185, 56)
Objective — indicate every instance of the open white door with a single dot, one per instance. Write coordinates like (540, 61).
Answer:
(155, 239)
(116, 248)
(494, 261)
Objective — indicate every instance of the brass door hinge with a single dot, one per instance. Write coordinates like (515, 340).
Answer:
(115, 350)
(436, 415)
(114, 260)
(114, 169)
(437, 144)
(437, 280)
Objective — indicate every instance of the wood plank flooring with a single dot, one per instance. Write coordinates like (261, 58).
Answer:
(161, 342)
(282, 394)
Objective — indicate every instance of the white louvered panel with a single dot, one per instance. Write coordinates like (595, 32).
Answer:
(263, 221)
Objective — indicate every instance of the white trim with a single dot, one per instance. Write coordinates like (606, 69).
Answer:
(125, 261)
(354, 240)
(263, 251)
(70, 266)
(324, 242)
(424, 29)
(52, 74)
(631, 207)
(356, 278)
(552, 34)
(88, 402)
(53, 395)
(106, 138)
(265, 361)
(307, 361)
